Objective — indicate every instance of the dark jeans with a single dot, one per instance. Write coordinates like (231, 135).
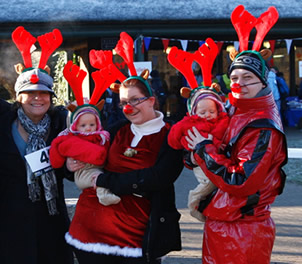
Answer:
(93, 258)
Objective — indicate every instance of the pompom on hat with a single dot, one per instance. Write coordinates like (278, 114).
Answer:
(205, 57)
(35, 79)
(252, 60)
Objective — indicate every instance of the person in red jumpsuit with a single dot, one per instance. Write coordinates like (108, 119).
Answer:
(247, 169)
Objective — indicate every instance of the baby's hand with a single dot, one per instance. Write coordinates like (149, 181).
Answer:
(74, 165)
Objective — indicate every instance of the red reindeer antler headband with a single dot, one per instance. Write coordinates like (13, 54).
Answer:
(204, 56)
(244, 22)
(35, 78)
(124, 48)
(252, 60)
(49, 42)
(75, 77)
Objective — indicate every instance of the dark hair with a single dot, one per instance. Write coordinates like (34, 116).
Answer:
(142, 88)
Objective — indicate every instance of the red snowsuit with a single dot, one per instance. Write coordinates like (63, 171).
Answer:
(86, 148)
(247, 172)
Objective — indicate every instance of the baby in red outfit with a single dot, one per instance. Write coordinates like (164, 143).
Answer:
(207, 114)
(85, 141)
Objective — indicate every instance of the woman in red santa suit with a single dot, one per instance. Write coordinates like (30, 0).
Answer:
(140, 169)
(247, 169)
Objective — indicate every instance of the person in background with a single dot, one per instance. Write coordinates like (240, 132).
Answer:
(111, 112)
(284, 93)
(300, 90)
(272, 83)
(224, 82)
(157, 86)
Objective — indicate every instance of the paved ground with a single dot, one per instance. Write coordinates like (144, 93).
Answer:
(286, 212)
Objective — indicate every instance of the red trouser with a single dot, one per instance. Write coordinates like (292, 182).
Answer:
(238, 242)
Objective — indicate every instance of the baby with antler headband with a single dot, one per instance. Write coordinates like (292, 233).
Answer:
(206, 113)
(85, 141)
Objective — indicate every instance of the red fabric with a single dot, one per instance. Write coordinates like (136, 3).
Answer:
(217, 128)
(234, 246)
(146, 149)
(226, 227)
(265, 178)
(79, 147)
(125, 222)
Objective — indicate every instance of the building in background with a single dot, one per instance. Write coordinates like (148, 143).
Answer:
(155, 26)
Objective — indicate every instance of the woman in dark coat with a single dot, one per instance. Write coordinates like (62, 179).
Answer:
(30, 232)
(33, 212)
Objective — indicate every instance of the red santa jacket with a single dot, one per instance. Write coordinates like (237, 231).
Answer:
(86, 148)
(216, 127)
(247, 170)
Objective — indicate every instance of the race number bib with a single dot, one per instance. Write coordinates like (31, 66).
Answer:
(39, 160)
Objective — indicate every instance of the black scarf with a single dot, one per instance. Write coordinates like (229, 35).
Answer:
(36, 140)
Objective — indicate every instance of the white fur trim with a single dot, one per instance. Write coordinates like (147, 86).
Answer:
(148, 128)
(103, 248)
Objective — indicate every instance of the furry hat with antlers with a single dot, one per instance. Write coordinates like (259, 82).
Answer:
(205, 57)
(31, 79)
(252, 60)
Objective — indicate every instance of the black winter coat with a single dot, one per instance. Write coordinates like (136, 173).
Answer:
(28, 234)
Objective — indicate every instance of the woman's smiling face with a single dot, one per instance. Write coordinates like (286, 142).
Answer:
(35, 104)
(142, 112)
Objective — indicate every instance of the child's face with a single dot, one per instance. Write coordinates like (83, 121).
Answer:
(86, 123)
(207, 108)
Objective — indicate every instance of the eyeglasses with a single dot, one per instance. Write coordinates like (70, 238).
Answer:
(133, 102)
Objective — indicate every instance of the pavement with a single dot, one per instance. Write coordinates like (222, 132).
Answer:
(286, 212)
